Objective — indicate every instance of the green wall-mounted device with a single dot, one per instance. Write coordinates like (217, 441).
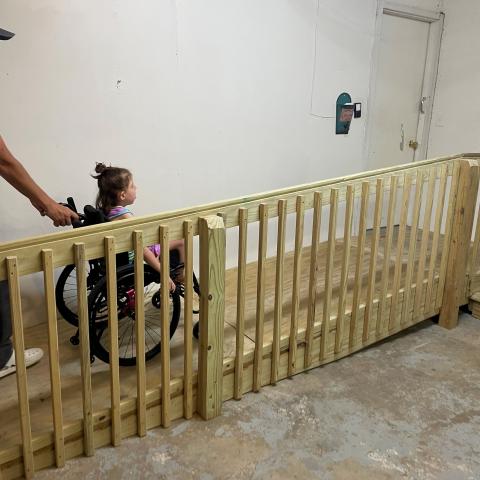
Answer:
(344, 113)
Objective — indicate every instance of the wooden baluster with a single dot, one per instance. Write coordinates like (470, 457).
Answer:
(347, 239)
(188, 321)
(140, 333)
(332, 230)
(21, 370)
(165, 323)
(397, 276)
(110, 258)
(292, 349)
(80, 264)
(357, 290)
(417, 311)
(260, 313)
(392, 203)
(412, 248)
(436, 237)
(54, 357)
(240, 332)
(452, 196)
(312, 286)
(377, 218)
(278, 309)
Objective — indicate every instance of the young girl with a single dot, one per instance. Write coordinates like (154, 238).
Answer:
(116, 191)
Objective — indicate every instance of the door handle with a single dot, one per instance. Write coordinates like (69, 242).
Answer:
(422, 104)
(413, 144)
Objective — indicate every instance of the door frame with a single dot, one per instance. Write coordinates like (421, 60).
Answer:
(436, 21)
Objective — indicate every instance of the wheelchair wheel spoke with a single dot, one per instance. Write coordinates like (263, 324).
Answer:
(98, 311)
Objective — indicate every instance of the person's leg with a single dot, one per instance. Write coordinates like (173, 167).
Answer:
(7, 357)
(5, 325)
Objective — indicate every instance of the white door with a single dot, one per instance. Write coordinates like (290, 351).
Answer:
(403, 87)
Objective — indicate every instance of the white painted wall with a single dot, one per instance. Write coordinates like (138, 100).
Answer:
(205, 99)
(456, 112)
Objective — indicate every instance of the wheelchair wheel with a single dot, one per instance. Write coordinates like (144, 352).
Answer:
(98, 313)
(66, 290)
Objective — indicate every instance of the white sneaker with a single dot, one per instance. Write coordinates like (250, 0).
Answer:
(32, 356)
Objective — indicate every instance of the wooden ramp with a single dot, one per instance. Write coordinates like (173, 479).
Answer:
(38, 376)
(407, 255)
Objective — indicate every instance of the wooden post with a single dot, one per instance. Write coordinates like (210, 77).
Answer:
(212, 313)
(458, 247)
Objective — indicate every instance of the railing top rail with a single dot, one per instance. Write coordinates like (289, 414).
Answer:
(145, 220)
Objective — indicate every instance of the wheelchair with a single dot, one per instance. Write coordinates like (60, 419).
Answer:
(66, 300)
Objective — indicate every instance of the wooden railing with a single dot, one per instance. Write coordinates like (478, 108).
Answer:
(373, 254)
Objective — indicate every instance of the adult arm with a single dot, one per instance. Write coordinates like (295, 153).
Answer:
(16, 175)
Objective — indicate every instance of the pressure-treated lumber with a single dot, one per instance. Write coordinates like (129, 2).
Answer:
(372, 272)
(188, 321)
(299, 224)
(359, 265)
(242, 264)
(349, 303)
(110, 258)
(54, 358)
(468, 179)
(212, 313)
(332, 230)
(140, 332)
(347, 238)
(260, 316)
(439, 210)
(278, 309)
(392, 203)
(312, 285)
(21, 371)
(28, 251)
(80, 265)
(165, 323)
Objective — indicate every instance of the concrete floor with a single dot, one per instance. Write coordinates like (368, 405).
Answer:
(406, 408)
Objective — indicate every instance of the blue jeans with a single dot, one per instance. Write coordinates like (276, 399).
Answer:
(5, 325)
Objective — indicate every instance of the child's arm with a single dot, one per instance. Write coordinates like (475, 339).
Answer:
(149, 256)
(154, 262)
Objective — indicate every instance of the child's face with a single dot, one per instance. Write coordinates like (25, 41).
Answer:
(129, 195)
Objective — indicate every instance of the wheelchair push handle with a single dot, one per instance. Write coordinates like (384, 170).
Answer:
(71, 205)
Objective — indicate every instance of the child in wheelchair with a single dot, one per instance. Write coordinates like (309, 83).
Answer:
(116, 192)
